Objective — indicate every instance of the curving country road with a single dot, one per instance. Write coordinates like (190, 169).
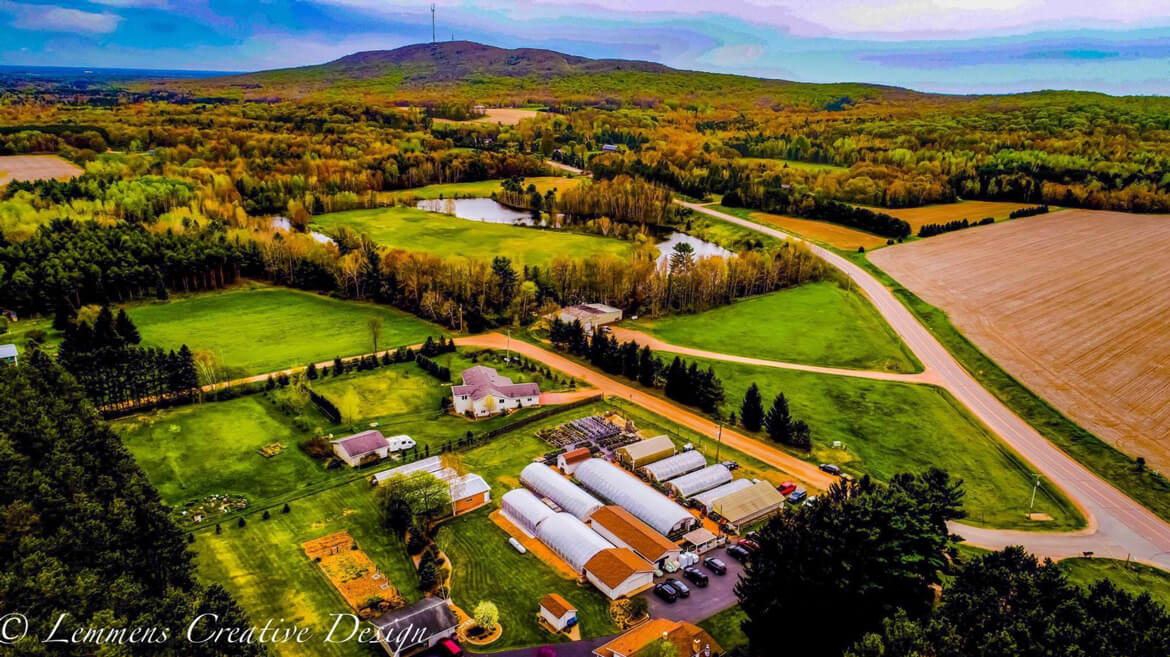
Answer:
(1117, 526)
(647, 340)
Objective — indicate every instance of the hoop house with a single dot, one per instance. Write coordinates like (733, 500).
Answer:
(627, 491)
(524, 509)
(571, 540)
(545, 481)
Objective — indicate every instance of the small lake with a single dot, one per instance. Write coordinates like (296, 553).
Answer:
(492, 211)
(283, 224)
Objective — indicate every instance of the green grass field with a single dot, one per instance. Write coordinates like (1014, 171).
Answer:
(724, 628)
(258, 328)
(1149, 488)
(816, 324)
(485, 188)
(194, 451)
(417, 230)
(263, 567)
(1135, 578)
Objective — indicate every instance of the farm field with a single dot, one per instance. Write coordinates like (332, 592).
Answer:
(501, 115)
(273, 328)
(841, 237)
(778, 163)
(815, 324)
(417, 230)
(944, 212)
(36, 167)
(213, 448)
(887, 427)
(483, 188)
(264, 568)
(1081, 327)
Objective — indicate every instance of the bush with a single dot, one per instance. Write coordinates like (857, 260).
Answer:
(416, 543)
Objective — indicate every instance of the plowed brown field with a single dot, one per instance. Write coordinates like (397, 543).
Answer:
(1075, 304)
(36, 167)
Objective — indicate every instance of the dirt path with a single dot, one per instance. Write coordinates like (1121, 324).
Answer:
(1118, 526)
(806, 472)
(645, 339)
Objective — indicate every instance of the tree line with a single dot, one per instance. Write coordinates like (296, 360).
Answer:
(777, 422)
(930, 230)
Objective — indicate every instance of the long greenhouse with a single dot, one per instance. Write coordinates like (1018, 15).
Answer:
(627, 491)
(675, 466)
(709, 497)
(701, 480)
(525, 510)
(571, 540)
(545, 481)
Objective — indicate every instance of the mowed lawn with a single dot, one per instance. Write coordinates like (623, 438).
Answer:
(815, 324)
(258, 328)
(263, 567)
(485, 188)
(1135, 578)
(886, 428)
(194, 451)
(417, 230)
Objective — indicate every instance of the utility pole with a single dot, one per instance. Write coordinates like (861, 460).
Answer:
(433, 23)
(1034, 489)
(718, 442)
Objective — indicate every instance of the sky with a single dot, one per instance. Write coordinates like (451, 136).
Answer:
(950, 46)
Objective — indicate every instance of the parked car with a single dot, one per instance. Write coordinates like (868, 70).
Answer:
(695, 576)
(731, 465)
(786, 488)
(754, 537)
(812, 499)
(666, 592)
(738, 553)
(683, 590)
(748, 544)
(831, 469)
(448, 647)
(715, 565)
(798, 496)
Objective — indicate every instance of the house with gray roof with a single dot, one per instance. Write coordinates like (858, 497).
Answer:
(416, 627)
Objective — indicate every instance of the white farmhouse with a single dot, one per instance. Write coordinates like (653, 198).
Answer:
(484, 392)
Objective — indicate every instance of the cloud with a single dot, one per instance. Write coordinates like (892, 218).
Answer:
(50, 18)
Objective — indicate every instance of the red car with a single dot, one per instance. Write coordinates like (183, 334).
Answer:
(748, 544)
(786, 488)
(449, 648)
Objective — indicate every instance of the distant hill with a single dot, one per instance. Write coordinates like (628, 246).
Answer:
(463, 70)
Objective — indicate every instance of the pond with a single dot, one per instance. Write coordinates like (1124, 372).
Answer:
(283, 224)
(492, 211)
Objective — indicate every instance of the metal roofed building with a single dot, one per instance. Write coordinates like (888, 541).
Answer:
(705, 498)
(675, 466)
(749, 505)
(627, 491)
(645, 452)
(700, 480)
(571, 540)
(524, 510)
(8, 354)
(591, 315)
(545, 482)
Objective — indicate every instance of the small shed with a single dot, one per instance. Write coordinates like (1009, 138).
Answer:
(361, 448)
(568, 461)
(702, 540)
(645, 452)
(8, 354)
(557, 612)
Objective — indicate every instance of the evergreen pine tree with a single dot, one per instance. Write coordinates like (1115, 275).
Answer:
(751, 411)
(126, 329)
(311, 371)
(779, 421)
(647, 370)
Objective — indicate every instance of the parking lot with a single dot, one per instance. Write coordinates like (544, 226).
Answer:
(702, 603)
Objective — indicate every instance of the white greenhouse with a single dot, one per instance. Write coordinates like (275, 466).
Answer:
(524, 510)
(701, 480)
(707, 498)
(546, 482)
(675, 466)
(571, 540)
(627, 491)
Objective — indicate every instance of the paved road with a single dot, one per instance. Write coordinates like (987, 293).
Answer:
(1118, 526)
(800, 470)
(582, 648)
(702, 603)
(645, 339)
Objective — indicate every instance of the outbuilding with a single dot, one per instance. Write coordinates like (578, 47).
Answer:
(749, 505)
(634, 495)
(619, 573)
(571, 540)
(8, 354)
(524, 510)
(557, 612)
(416, 627)
(700, 480)
(701, 540)
(568, 461)
(591, 315)
(645, 452)
(621, 528)
(705, 498)
(546, 482)
(362, 448)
